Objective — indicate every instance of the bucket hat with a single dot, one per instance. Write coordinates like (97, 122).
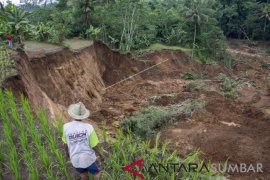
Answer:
(78, 111)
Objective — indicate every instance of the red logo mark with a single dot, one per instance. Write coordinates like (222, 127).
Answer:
(137, 163)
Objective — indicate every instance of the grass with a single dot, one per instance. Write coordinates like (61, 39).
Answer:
(128, 148)
(76, 44)
(158, 46)
(12, 156)
(25, 145)
(26, 153)
(41, 46)
(2, 158)
(52, 141)
(73, 44)
(38, 144)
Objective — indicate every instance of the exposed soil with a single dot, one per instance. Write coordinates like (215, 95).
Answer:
(238, 130)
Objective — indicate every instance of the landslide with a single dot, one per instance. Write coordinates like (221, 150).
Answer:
(237, 130)
(56, 79)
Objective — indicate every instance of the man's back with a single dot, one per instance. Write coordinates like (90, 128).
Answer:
(77, 135)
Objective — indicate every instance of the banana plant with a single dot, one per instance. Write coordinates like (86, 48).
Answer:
(92, 32)
(16, 19)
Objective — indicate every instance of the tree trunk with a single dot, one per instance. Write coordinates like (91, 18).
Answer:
(264, 28)
(194, 39)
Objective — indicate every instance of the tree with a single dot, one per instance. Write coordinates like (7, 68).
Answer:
(265, 10)
(197, 11)
(82, 11)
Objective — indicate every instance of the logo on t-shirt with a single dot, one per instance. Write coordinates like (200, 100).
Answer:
(77, 137)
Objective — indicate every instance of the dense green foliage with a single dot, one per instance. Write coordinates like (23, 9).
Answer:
(248, 19)
(134, 24)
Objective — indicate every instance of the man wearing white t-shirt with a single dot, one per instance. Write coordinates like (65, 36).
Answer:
(81, 140)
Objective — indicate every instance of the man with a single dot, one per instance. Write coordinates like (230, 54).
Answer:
(81, 140)
(9, 40)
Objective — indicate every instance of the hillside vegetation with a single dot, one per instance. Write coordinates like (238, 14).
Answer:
(127, 25)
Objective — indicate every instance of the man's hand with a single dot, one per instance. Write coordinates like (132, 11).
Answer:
(97, 151)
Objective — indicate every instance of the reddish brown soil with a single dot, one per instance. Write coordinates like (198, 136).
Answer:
(58, 79)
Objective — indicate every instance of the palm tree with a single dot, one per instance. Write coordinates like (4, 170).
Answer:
(196, 12)
(265, 14)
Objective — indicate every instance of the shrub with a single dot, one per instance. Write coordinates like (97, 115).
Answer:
(244, 74)
(267, 52)
(193, 75)
(188, 107)
(228, 60)
(268, 78)
(147, 121)
(196, 86)
(188, 76)
(264, 65)
(229, 87)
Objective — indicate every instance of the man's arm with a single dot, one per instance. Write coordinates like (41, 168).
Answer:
(66, 150)
(97, 151)
(93, 142)
(64, 139)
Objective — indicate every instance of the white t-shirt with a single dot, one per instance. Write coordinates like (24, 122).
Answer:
(78, 136)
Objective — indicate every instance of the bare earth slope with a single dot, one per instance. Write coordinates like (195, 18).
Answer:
(237, 130)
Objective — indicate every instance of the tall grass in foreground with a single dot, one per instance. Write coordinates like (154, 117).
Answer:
(36, 137)
(53, 143)
(25, 139)
(13, 160)
(2, 159)
(26, 149)
(126, 149)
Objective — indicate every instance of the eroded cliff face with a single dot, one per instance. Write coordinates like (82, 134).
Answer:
(58, 79)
